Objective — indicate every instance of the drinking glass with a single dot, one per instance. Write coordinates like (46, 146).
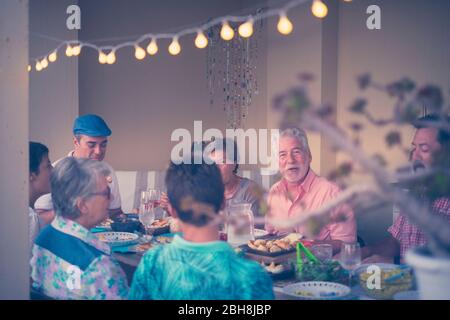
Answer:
(241, 229)
(350, 258)
(154, 200)
(323, 252)
(146, 211)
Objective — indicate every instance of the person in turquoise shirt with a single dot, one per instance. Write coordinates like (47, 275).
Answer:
(197, 265)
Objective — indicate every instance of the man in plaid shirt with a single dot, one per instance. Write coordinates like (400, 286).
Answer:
(403, 234)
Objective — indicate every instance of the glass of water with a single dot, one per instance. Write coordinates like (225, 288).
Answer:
(350, 258)
(146, 211)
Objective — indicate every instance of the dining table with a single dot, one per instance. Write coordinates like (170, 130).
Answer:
(129, 261)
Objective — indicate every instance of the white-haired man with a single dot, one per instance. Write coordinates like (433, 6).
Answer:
(300, 191)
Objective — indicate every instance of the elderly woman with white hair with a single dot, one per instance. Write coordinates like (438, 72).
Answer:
(70, 262)
(300, 191)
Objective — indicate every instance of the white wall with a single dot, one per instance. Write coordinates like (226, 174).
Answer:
(14, 270)
(53, 91)
(413, 42)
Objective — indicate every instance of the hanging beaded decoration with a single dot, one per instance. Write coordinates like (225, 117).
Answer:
(231, 72)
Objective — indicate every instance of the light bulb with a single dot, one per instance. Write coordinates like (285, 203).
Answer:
(319, 9)
(76, 50)
(29, 68)
(347, 0)
(201, 41)
(227, 33)
(102, 57)
(69, 51)
(152, 47)
(139, 53)
(284, 25)
(44, 63)
(53, 56)
(38, 66)
(246, 29)
(174, 47)
(111, 58)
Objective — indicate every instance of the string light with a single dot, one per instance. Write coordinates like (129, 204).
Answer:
(53, 56)
(139, 53)
(69, 51)
(201, 41)
(174, 47)
(152, 47)
(246, 29)
(284, 25)
(111, 57)
(29, 68)
(227, 33)
(44, 63)
(102, 57)
(319, 9)
(38, 66)
(76, 50)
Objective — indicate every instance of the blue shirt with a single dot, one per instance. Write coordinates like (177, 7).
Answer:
(184, 270)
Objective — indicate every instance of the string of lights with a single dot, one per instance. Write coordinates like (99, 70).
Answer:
(107, 54)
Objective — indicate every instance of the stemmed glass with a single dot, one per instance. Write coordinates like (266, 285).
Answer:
(154, 200)
(146, 212)
(350, 258)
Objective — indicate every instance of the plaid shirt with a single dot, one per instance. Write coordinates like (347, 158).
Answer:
(408, 235)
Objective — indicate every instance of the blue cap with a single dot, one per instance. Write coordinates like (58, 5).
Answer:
(91, 125)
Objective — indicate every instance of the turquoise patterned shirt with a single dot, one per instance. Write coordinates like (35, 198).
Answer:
(69, 262)
(185, 270)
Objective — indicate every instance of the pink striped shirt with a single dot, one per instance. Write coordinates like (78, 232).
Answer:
(313, 193)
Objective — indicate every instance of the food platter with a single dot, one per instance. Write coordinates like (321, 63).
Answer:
(118, 238)
(273, 247)
(317, 290)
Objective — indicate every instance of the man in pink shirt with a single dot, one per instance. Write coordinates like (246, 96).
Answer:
(300, 191)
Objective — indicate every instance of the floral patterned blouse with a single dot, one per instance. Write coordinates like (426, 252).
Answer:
(69, 262)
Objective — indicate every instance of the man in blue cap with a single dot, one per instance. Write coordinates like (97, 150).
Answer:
(90, 141)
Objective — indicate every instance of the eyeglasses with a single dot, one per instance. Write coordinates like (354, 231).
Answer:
(106, 193)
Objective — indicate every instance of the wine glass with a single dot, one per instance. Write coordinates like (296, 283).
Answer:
(350, 258)
(154, 201)
(146, 212)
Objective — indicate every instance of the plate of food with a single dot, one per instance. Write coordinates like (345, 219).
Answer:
(279, 271)
(160, 226)
(259, 233)
(274, 247)
(118, 238)
(104, 225)
(317, 290)
(393, 279)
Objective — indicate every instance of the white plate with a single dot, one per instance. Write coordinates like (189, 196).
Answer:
(118, 238)
(317, 290)
(259, 232)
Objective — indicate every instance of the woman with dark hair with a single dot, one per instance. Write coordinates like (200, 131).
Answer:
(238, 189)
(39, 183)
